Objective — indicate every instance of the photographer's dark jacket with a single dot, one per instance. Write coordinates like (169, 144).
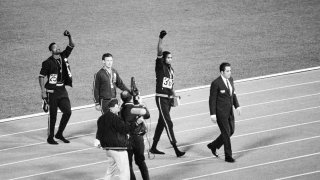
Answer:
(112, 131)
(132, 118)
(104, 85)
(57, 71)
(164, 78)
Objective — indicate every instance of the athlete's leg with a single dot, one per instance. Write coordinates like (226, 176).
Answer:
(53, 108)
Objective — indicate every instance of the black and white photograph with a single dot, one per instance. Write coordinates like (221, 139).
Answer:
(160, 90)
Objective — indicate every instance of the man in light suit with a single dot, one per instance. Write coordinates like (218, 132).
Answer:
(221, 101)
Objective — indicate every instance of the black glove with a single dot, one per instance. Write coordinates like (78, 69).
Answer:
(163, 33)
(66, 33)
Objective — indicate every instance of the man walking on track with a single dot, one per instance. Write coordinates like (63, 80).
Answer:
(164, 97)
(57, 71)
(105, 82)
(221, 102)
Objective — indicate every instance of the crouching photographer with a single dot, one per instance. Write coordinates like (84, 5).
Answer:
(131, 112)
(112, 136)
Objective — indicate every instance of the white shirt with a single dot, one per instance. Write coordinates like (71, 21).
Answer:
(227, 83)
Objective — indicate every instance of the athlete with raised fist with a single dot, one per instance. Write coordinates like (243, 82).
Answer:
(56, 70)
(164, 97)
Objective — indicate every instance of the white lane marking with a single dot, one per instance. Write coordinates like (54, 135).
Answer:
(257, 132)
(268, 102)
(281, 87)
(270, 115)
(40, 129)
(251, 149)
(259, 117)
(58, 170)
(198, 159)
(256, 165)
(34, 144)
(286, 99)
(298, 175)
(49, 156)
(206, 100)
(182, 90)
(241, 135)
(241, 151)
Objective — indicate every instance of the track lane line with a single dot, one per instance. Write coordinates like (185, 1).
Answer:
(237, 136)
(43, 157)
(198, 159)
(44, 142)
(253, 92)
(178, 91)
(256, 165)
(86, 121)
(58, 170)
(253, 133)
(298, 175)
(287, 112)
(241, 151)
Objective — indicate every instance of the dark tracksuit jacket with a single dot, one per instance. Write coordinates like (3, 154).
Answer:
(58, 72)
(102, 88)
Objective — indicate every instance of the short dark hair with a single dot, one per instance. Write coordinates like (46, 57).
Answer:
(50, 46)
(125, 97)
(223, 66)
(112, 102)
(106, 55)
(165, 54)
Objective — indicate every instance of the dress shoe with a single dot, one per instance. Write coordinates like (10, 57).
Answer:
(177, 151)
(180, 153)
(213, 149)
(52, 141)
(62, 138)
(229, 159)
(155, 151)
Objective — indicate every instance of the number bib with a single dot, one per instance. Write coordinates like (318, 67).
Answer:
(53, 78)
(167, 83)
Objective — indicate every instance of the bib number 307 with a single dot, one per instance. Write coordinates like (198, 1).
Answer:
(167, 83)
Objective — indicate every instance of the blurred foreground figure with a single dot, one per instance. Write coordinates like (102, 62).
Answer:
(112, 136)
(130, 112)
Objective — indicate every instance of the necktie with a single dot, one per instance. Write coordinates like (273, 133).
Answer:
(228, 86)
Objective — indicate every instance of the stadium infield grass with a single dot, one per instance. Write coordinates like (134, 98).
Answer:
(257, 37)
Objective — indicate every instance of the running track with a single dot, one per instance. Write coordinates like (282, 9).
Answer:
(276, 137)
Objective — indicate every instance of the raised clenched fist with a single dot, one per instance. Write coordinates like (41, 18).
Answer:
(162, 34)
(66, 33)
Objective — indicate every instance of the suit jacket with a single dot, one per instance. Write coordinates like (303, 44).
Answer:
(221, 101)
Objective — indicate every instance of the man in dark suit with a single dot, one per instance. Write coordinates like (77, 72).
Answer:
(221, 101)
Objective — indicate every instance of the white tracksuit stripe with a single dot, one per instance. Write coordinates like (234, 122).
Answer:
(165, 122)
(48, 130)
